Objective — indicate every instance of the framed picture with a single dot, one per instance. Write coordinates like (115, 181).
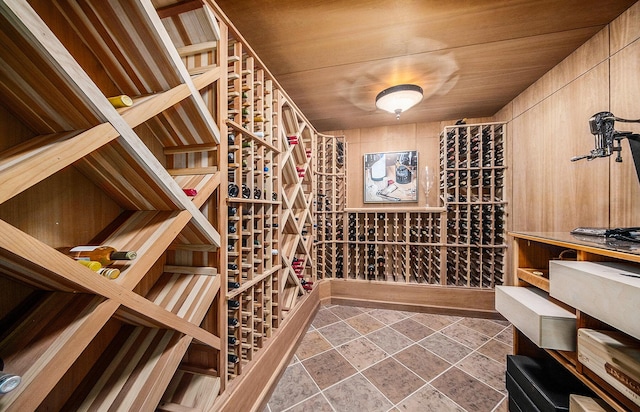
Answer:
(391, 177)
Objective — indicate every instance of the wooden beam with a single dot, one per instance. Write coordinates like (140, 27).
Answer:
(179, 8)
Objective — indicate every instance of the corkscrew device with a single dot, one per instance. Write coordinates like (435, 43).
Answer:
(608, 140)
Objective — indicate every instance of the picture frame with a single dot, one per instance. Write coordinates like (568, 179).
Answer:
(391, 177)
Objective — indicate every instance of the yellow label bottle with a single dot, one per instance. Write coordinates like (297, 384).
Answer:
(121, 101)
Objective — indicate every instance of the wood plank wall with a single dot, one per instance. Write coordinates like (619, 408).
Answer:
(547, 125)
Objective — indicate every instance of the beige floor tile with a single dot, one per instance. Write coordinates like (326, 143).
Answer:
(413, 330)
(365, 323)
(328, 368)
(467, 391)
(389, 340)
(361, 353)
(445, 347)
(422, 362)
(429, 399)
(468, 337)
(393, 379)
(294, 386)
(312, 344)
(357, 394)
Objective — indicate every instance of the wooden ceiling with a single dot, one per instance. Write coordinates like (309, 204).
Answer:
(471, 57)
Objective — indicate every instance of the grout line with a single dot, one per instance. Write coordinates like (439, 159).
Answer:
(307, 398)
(392, 355)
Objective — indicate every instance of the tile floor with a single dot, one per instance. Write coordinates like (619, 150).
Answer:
(359, 359)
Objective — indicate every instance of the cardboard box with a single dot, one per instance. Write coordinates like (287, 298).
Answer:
(529, 310)
(607, 291)
(614, 357)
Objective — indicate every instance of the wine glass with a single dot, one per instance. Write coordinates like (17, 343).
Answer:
(428, 176)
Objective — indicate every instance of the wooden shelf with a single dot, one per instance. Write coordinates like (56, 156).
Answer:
(377, 209)
(20, 165)
(535, 277)
(190, 391)
(126, 39)
(188, 295)
(48, 340)
(132, 373)
(539, 248)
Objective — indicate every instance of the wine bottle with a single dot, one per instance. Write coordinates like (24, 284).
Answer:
(91, 264)
(232, 210)
(233, 304)
(231, 340)
(246, 192)
(232, 358)
(103, 254)
(8, 382)
(232, 322)
(232, 266)
(233, 190)
(109, 273)
(120, 101)
(232, 228)
(233, 285)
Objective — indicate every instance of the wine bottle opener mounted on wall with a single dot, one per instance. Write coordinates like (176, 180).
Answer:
(608, 140)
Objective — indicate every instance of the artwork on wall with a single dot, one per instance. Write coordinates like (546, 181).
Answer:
(391, 177)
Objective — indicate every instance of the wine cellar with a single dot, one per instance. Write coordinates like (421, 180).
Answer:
(171, 221)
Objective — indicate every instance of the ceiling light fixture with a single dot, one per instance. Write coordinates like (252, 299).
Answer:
(398, 99)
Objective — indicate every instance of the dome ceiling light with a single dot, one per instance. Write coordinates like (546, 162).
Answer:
(399, 99)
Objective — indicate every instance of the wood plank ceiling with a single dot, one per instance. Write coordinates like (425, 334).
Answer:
(471, 57)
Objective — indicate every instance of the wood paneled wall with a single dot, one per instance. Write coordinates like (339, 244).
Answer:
(547, 126)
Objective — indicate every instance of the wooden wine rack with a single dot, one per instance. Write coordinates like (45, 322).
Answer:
(269, 244)
(472, 176)
(152, 178)
(331, 181)
(400, 246)
(460, 244)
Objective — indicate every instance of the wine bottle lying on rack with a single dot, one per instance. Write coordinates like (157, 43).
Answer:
(120, 101)
(109, 273)
(105, 255)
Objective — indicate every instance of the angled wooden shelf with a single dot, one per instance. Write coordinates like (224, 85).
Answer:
(132, 373)
(190, 390)
(49, 338)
